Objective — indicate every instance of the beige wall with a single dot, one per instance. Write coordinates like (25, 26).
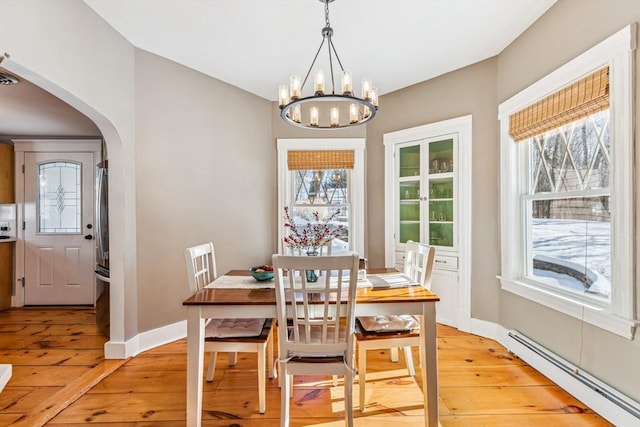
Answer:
(611, 358)
(470, 90)
(205, 171)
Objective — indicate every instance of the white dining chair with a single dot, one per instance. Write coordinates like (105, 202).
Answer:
(230, 335)
(319, 342)
(323, 250)
(381, 332)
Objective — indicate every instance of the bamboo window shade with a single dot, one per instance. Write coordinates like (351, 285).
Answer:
(580, 99)
(320, 159)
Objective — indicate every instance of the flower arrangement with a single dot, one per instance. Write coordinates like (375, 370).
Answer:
(313, 234)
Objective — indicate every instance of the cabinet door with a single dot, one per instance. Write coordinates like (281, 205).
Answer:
(445, 285)
(409, 181)
(442, 193)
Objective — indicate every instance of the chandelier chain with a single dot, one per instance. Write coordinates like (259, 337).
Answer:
(326, 14)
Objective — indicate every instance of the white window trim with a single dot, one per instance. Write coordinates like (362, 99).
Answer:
(619, 316)
(356, 230)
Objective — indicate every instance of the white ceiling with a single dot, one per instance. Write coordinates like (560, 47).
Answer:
(256, 44)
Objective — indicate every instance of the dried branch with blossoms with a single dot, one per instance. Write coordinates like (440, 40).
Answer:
(312, 235)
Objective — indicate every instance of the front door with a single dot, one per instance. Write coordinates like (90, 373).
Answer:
(58, 235)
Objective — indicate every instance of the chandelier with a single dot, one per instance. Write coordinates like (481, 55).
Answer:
(327, 110)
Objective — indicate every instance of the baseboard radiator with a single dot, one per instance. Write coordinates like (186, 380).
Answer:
(610, 403)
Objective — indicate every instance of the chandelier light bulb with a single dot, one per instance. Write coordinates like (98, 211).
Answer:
(335, 116)
(374, 96)
(313, 112)
(318, 82)
(366, 89)
(296, 114)
(366, 112)
(353, 113)
(283, 95)
(347, 83)
(294, 83)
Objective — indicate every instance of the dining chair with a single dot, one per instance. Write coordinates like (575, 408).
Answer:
(380, 332)
(320, 340)
(323, 250)
(230, 335)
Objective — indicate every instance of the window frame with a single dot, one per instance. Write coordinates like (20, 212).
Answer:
(356, 182)
(619, 315)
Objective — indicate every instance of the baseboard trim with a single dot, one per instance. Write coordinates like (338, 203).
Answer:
(607, 401)
(145, 341)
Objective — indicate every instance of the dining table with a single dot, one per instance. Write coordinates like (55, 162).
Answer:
(222, 299)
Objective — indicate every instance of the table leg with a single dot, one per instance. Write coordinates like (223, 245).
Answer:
(429, 364)
(195, 359)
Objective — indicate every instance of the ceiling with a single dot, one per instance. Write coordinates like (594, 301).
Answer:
(257, 44)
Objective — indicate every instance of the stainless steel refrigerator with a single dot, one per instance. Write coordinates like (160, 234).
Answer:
(102, 247)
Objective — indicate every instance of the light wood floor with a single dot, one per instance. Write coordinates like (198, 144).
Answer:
(61, 379)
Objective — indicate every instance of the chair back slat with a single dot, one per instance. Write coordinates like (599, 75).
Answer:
(316, 310)
(201, 266)
(418, 262)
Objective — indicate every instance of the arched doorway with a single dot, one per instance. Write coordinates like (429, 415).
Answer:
(123, 309)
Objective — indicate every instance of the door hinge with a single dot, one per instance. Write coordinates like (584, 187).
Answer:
(23, 168)
(22, 280)
(24, 225)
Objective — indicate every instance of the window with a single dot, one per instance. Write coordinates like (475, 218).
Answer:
(566, 197)
(567, 210)
(59, 198)
(324, 176)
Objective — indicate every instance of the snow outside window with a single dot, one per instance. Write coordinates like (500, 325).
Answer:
(567, 207)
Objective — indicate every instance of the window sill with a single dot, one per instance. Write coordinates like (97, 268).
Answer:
(599, 316)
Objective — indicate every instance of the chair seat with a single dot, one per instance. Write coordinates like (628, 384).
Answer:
(389, 323)
(244, 330)
(316, 338)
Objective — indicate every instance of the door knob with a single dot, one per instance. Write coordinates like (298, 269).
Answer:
(88, 236)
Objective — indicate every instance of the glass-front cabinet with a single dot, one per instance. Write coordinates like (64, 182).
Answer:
(426, 191)
(428, 200)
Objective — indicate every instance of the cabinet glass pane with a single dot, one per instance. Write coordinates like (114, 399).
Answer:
(441, 211)
(409, 161)
(409, 232)
(441, 234)
(409, 190)
(441, 189)
(441, 156)
(410, 211)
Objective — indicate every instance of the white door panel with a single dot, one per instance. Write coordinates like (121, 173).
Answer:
(58, 213)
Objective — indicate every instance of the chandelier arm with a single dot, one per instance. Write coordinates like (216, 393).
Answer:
(333, 82)
(312, 63)
(335, 52)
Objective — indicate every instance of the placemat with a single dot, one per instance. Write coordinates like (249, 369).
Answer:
(248, 282)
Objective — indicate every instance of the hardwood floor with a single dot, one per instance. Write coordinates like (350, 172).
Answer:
(61, 379)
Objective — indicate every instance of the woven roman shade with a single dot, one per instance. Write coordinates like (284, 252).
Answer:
(320, 159)
(580, 99)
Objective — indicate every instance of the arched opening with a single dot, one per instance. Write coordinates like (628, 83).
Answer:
(122, 308)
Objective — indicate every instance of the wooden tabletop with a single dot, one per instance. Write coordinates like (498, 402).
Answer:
(218, 296)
